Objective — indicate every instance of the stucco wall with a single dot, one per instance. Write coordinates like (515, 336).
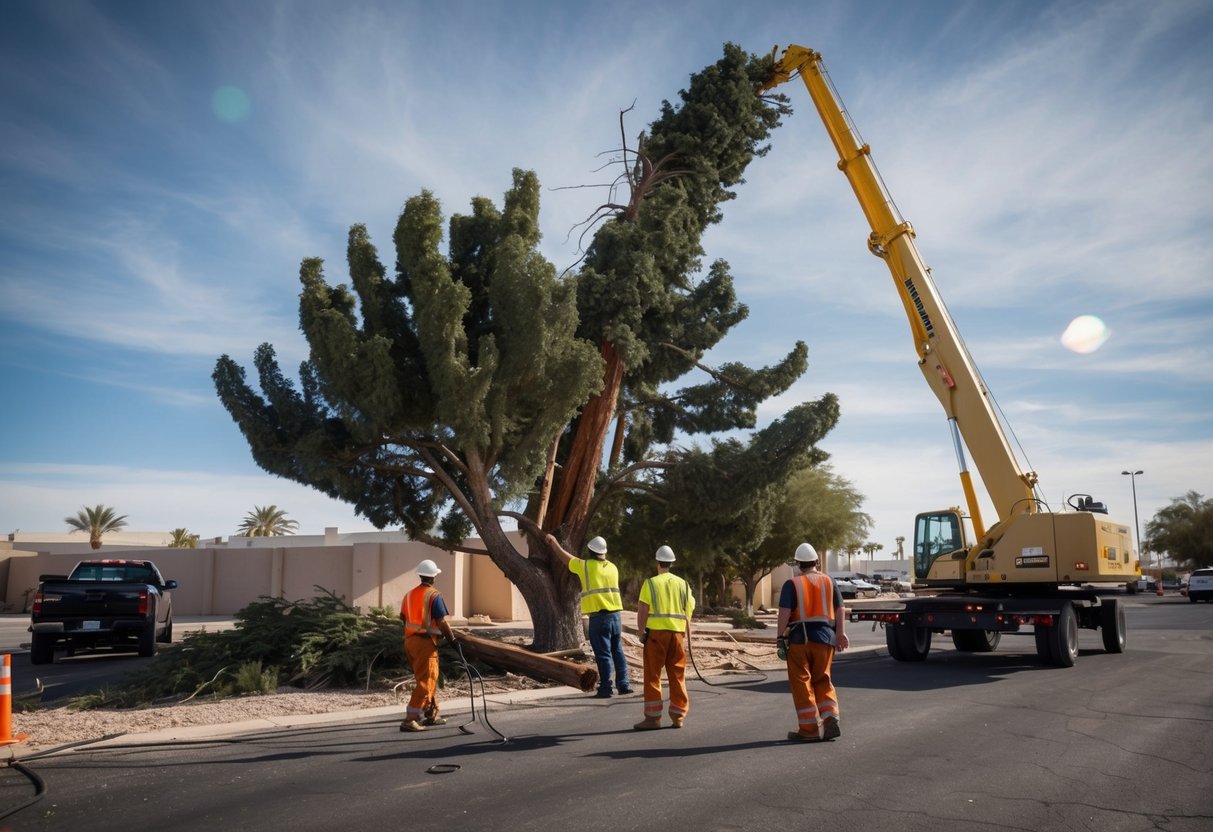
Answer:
(222, 581)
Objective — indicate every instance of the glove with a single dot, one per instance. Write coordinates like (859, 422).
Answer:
(644, 636)
(781, 648)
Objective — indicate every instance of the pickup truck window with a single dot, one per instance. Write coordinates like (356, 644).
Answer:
(114, 572)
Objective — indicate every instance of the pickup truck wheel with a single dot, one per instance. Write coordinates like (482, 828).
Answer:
(167, 636)
(42, 649)
(907, 643)
(976, 641)
(147, 639)
(1112, 626)
(1063, 637)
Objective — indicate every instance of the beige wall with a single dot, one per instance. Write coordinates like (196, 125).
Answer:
(222, 581)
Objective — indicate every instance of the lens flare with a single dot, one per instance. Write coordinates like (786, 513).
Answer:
(231, 104)
(1085, 334)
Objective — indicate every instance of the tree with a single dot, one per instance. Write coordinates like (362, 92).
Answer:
(1184, 530)
(96, 521)
(266, 521)
(901, 542)
(183, 539)
(815, 506)
(872, 548)
(477, 384)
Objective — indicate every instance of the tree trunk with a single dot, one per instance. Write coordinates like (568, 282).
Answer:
(551, 595)
(751, 584)
(537, 666)
(579, 475)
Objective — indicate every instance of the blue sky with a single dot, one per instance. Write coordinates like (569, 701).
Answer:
(166, 166)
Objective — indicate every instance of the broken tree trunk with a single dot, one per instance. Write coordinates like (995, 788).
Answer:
(536, 665)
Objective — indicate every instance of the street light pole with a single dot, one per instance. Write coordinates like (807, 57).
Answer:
(1133, 475)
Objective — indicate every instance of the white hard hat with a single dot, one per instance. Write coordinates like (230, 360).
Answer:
(597, 545)
(806, 553)
(428, 569)
(665, 555)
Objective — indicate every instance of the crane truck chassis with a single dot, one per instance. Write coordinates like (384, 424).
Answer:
(1033, 567)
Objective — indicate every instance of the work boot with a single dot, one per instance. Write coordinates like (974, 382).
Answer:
(411, 725)
(676, 721)
(649, 723)
(831, 728)
(603, 694)
(625, 691)
(435, 720)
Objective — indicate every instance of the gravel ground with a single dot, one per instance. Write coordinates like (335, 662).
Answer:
(53, 727)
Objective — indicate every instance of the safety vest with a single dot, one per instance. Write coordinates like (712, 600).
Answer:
(599, 584)
(670, 602)
(814, 599)
(416, 609)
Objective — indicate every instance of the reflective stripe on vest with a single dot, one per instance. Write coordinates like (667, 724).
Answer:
(417, 607)
(596, 591)
(814, 599)
(677, 606)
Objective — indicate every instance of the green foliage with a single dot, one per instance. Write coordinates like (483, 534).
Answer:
(97, 521)
(1184, 530)
(430, 390)
(319, 642)
(251, 677)
(183, 538)
(267, 521)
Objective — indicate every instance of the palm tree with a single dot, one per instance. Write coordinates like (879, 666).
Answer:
(96, 521)
(267, 521)
(183, 539)
(872, 548)
(901, 552)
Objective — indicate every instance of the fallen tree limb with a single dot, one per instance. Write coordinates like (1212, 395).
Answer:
(536, 665)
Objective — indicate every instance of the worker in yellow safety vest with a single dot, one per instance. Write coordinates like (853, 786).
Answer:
(424, 614)
(602, 603)
(664, 619)
(810, 629)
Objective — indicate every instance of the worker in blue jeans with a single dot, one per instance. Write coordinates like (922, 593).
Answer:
(601, 601)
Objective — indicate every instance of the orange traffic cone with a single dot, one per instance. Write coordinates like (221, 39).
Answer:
(6, 704)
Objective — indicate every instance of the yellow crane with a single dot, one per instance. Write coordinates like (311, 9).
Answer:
(1031, 566)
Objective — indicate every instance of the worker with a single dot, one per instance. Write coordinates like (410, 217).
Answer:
(602, 603)
(810, 628)
(424, 614)
(664, 619)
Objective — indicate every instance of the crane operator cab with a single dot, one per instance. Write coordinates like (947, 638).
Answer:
(941, 540)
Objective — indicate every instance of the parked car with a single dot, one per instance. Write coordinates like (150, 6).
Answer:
(866, 587)
(1200, 585)
(855, 588)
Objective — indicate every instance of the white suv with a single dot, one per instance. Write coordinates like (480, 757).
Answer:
(1200, 585)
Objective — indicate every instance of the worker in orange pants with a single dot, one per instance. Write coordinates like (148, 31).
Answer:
(664, 619)
(424, 614)
(810, 629)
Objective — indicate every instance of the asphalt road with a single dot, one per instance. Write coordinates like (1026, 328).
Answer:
(961, 741)
(71, 675)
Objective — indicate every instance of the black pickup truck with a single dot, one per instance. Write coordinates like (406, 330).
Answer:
(115, 603)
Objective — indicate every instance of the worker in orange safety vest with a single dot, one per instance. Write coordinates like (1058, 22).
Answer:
(810, 629)
(663, 617)
(424, 614)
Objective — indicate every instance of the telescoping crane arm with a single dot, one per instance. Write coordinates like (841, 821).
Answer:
(942, 357)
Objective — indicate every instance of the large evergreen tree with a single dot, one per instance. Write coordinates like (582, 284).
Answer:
(475, 381)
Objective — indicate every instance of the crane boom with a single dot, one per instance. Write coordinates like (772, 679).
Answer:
(942, 357)
(1028, 547)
